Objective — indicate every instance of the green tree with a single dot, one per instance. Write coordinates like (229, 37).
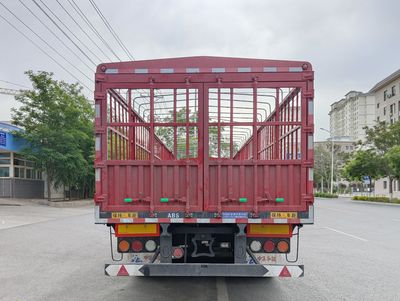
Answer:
(166, 134)
(322, 164)
(379, 156)
(363, 163)
(58, 127)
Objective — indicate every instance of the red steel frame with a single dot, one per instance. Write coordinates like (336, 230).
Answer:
(275, 161)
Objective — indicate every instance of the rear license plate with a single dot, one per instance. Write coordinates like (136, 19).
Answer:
(283, 214)
(124, 215)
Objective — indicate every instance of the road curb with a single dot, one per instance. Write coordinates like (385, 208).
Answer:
(374, 203)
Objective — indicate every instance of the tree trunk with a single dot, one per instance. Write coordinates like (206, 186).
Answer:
(48, 188)
(69, 189)
(391, 188)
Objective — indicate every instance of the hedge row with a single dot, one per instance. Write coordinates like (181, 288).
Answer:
(379, 199)
(325, 195)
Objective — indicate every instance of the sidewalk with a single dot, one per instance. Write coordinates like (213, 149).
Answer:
(53, 203)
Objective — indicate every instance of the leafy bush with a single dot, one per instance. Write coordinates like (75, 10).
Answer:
(379, 199)
(325, 195)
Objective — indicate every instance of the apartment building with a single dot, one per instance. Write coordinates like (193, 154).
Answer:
(387, 95)
(351, 114)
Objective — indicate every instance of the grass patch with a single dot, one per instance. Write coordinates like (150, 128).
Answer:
(325, 195)
(378, 199)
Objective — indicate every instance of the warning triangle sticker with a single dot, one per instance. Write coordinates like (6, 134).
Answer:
(122, 271)
(285, 272)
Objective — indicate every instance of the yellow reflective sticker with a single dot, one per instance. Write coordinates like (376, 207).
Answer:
(124, 215)
(123, 229)
(283, 214)
(258, 229)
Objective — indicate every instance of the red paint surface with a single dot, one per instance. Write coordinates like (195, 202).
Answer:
(270, 133)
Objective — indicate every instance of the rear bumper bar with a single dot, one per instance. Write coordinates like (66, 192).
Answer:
(201, 270)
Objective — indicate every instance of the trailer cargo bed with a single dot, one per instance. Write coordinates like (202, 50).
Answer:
(204, 140)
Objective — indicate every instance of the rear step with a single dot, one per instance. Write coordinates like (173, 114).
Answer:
(204, 270)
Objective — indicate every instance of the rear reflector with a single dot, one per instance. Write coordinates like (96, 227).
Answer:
(177, 253)
(137, 230)
(257, 230)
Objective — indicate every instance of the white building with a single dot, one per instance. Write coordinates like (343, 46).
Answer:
(387, 95)
(351, 114)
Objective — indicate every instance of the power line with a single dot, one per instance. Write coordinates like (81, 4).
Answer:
(91, 26)
(111, 29)
(22, 86)
(45, 52)
(44, 41)
(90, 38)
(54, 34)
(7, 91)
(68, 37)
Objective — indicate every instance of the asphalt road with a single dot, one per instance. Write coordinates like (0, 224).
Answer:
(351, 253)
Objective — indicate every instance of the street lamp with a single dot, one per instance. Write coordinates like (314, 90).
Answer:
(331, 137)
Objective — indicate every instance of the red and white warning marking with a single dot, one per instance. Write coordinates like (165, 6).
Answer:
(131, 269)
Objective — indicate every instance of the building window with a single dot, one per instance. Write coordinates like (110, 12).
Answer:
(384, 184)
(393, 90)
(384, 95)
(384, 111)
(377, 105)
(377, 118)
(4, 172)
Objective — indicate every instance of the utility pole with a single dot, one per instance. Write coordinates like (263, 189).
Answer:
(332, 150)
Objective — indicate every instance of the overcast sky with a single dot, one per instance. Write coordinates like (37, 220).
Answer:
(351, 44)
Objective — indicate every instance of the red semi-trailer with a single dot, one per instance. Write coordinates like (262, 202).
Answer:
(204, 165)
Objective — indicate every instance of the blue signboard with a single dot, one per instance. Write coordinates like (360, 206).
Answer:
(3, 139)
(236, 214)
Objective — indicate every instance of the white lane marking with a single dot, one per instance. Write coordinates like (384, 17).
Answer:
(347, 234)
(222, 290)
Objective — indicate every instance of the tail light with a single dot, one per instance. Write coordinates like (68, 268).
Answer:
(255, 246)
(178, 253)
(269, 246)
(137, 246)
(123, 246)
(283, 246)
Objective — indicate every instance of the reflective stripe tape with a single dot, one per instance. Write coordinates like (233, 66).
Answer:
(151, 220)
(244, 69)
(203, 220)
(98, 143)
(176, 220)
(111, 71)
(218, 70)
(192, 70)
(254, 220)
(167, 70)
(229, 220)
(311, 174)
(311, 107)
(310, 144)
(97, 174)
(141, 71)
(97, 110)
(126, 220)
(295, 69)
(270, 69)
(280, 221)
